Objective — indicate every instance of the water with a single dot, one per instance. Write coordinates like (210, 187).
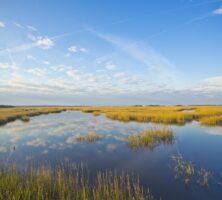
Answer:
(51, 139)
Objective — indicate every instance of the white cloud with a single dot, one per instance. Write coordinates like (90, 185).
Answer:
(212, 85)
(30, 57)
(4, 65)
(18, 25)
(75, 49)
(31, 28)
(74, 74)
(44, 42)
(121, 75)
(218, 11)
(110, 66)
(37, 71)
(60, 68)
(46, 62)
(82, 49)
(2, 24)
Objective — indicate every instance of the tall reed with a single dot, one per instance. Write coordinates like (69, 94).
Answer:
(65, 184)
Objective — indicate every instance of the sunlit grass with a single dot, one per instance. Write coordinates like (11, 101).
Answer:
(206, 115)
(96, 113)
(24, 113)
(211, 121)
(69, 183)
(90, 137)
(151, 137)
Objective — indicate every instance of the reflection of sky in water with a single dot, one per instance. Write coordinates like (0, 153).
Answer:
(52, 138)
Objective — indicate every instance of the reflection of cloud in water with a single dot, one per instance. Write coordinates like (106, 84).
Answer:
(3, 149)
(214, 131)
(45, 152)
(71, 140)
(111, 147)
(63, 129)
(59, 146)
(29, 158)
(36, 142)
(118, 137)
(15, 138)
(68, 125)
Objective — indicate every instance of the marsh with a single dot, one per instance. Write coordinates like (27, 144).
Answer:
(52, 139)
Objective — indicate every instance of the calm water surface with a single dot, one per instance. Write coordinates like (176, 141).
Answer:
(51, 139)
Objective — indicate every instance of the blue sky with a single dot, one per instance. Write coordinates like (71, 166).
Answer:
(110, 52)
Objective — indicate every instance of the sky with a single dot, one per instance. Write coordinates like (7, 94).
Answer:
(97, 52)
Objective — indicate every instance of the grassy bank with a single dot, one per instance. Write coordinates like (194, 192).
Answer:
(69, 183)
(206, 115)
(24, 113)
(151, 137)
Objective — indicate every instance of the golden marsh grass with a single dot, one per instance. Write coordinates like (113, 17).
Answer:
(69, 183)
(206, 115)
(90, 137)
(151, 137)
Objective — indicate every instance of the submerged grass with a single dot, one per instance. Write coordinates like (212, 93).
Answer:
(151, 137)
(62, 183)
(188, 172)
(90, 137)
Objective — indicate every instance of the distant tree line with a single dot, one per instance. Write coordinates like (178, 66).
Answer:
(6, 106)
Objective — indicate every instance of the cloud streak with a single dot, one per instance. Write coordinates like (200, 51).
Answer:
(146, 55)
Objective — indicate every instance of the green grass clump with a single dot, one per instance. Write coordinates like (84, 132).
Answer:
(65, 183)
(151, 137)
(90, 137)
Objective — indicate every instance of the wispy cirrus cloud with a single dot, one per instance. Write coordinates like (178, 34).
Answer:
(18, 25)
(146, 55)
(31, 28)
